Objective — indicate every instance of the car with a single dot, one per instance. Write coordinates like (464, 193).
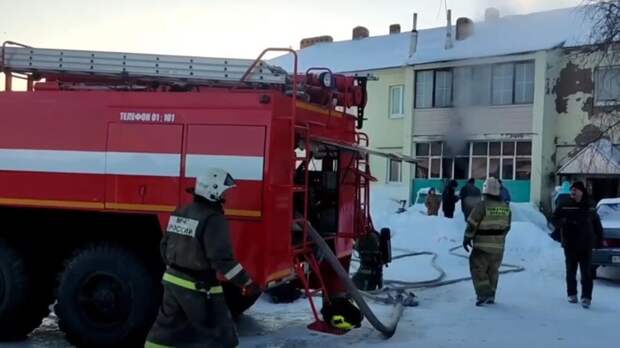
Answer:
(609, 255)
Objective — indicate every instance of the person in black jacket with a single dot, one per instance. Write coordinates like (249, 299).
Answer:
(578, 227)
(470, 196)
(449, 198)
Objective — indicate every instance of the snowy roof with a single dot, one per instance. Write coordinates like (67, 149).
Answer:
(506, 35)
(599, 157)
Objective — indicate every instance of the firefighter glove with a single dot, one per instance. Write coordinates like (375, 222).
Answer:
(467, 243)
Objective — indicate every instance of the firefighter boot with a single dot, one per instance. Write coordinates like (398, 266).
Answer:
(342, 314)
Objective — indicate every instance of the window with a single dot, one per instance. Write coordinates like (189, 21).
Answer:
(463, 86)
(395, 171)
(443, 88)
(446, 167)
(396, 101)
(502, 84)
(429, 156)
(524, 83)
(508, 160)
(479, 160)
(461, 168)
(607, 85)
(424, 89)
(481, 85)
(499, 84)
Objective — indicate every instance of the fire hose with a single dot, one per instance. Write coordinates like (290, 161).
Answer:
(401, 298)
(400, 287)
(386, 329)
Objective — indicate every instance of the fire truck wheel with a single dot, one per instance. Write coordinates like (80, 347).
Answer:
(237, 303)
(21, 306)
(106, 298)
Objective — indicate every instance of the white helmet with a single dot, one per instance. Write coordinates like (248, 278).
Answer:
(213, 184)
(491, 187)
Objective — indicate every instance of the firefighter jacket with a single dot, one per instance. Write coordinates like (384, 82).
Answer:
(488, 224)
(197, 243)
(578, 224)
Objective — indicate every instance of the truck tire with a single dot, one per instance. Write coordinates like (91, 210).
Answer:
(22, 305)
(237, 303)
(107, 298)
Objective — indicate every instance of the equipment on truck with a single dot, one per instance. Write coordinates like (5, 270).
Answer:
(100, 149)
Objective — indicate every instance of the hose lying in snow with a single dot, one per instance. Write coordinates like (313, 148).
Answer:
(400, 287)
(387, 330)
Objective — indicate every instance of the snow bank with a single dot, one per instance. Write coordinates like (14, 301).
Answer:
(413, 230)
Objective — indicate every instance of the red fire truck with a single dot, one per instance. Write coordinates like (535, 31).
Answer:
(100, 147)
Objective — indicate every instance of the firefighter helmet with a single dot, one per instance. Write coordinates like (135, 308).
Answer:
(213, 184)
(491, 187)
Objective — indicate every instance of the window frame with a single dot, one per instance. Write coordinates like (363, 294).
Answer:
(596, 92)
(432, 89)
(512, 98)
(449, 88)
(391, 113)
(474, 70)
(399, 174)
(514, 78)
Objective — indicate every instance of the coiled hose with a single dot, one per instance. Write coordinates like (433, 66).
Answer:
(400, 287)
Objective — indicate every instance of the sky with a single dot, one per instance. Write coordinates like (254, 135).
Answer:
(217, 28)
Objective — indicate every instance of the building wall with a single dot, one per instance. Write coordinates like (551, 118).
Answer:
(489, 122)
(386, 133)
(473, 121)
(578, 118)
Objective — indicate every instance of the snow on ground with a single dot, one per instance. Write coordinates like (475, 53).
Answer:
(531, 309)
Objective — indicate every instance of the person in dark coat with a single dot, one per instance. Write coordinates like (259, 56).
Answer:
(578, 227)
(504, 193)
(470, 196)
(449, 198)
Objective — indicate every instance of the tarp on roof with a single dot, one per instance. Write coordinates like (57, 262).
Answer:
(598, 158)
(567, 27)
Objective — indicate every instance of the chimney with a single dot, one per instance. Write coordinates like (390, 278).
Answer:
(360, 32)
(464, 28)
(449, 43)
(394, 29)
(491, 14)
(307, 42)
(413, 43)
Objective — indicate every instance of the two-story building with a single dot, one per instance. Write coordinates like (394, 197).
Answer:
(501, 97)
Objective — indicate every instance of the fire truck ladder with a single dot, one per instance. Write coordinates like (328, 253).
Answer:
(21, 59)
(363, 179)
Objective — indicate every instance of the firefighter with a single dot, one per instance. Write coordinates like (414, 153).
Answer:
(197, 251)
(370, 274)
(487, 226)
